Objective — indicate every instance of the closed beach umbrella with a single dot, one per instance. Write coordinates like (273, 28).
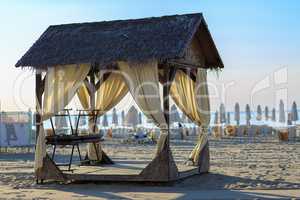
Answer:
(248, 114)
(174, 116)
(237, 113)
(281, 112)
(228, 118)
(266, 113)
(140, 118)
(222, 113)
(294, 113)
(274, 115)
(115, 119)
(123, 117)
(132, 117)
(259, 113)
(184, 118)
(216, 121)
(289, 121)
(104, 121)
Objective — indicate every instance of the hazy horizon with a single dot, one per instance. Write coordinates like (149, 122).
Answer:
(258, 42)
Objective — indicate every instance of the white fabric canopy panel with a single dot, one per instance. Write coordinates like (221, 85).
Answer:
(143, 83)
(61, 85)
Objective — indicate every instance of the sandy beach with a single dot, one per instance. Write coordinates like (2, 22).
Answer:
(241, 167)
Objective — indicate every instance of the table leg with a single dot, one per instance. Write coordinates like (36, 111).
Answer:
(53, 154)
(70, 163)
(79, 152)
(95, 147)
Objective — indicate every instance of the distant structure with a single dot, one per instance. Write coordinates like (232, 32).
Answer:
(274, 115)
(115, 119)
(222, 113)
(289, 120)
(140, 118)
(228, 118)
(185, 119)
(174, 115)
(294, 112)
(105, 121)
(266, 113)
(237, 113)
(216, 120)
(132, 117)
(248, 114)
(123, 117)
(281, 112)
(259, 113)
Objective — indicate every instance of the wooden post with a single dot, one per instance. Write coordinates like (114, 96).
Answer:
(38, 118)
(38, 92)
(104, 159)
(166, 91)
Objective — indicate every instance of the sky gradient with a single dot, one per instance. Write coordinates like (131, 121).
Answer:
(255, 39)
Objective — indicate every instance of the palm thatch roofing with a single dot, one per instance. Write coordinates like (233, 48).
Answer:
(106, 42)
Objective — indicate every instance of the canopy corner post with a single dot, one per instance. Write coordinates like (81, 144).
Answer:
(169, 74)
(39, 88)
(105, 159)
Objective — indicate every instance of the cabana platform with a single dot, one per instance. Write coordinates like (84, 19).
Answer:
(127, 171)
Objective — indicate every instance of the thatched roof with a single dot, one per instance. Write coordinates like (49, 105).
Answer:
(106, 42)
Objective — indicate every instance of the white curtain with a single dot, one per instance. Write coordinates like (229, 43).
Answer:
(109, 94)
(143, 84)
(193, 99)
(61, 85)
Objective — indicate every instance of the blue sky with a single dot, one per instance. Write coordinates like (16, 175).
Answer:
(255, 38)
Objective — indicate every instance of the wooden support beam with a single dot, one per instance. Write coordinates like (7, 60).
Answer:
(166, 91)
(93, 87)
(191, 73)
(102, 79)
(169, 75)
(42, 87)
(38, 92)
(183, 65)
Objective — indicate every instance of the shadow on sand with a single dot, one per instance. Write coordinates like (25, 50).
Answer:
(206, 186)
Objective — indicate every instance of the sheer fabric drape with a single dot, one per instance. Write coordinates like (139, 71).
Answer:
(193, 99)
(143, 83)
(110, 93)
(61, 85)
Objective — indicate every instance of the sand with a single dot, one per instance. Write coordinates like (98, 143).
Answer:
(247, 168)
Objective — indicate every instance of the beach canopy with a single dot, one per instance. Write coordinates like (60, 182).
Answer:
(107, 42)
(281, 112)
(237, 113)
(294, 112)
(101, 62)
